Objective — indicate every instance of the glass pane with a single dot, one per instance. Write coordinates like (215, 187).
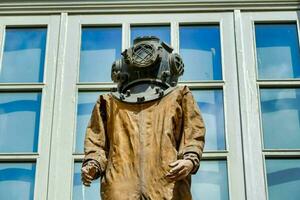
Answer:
(86, 102)
(283, 177)
(19, 122)
(211, 181)
(200, 48)
(281, 118)
(210, 103)
(24, 55)
(278, 53)
(162, 32)
(80, 192)
(17, 181)
(100, 47)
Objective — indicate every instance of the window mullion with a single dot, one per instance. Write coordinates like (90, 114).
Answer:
(42, 171)
(63, 118)
(175, 36)
(125, 36)
(231, 110)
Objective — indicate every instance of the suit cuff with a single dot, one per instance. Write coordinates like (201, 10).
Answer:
(95, 164)
(195, 160)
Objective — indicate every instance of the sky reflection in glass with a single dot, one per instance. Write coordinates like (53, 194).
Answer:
(86, 102)
(211, 106)
(278, 53)
(280, 110)
(211, 182)
(19, 122)
(100, 47)
(200, 48)
(24, 55)
(80, 192)
(162, 32)
(283, 177)
(17, 181)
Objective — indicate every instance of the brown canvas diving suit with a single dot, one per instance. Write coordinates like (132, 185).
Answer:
(135, 143)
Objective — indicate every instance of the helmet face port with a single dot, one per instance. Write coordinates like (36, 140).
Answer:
(144, 55)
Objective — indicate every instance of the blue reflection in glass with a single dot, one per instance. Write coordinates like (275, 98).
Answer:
(19, 122)
(200, 48)
(100, 47)
(211, 182)
(210, 103)
(80, 192)
(283, 177)
(162, 32)
(281, 118)
(17, 181)
(24, 55)
(86, 102)
(278, 53)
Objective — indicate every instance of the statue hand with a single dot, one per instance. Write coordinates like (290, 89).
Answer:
(180, 169)
(89, 172)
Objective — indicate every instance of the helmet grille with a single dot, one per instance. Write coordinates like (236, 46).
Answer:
(143, 55)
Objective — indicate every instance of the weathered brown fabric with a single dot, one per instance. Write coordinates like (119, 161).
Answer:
(135, 143)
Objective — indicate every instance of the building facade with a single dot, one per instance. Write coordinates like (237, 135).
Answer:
(242, 62)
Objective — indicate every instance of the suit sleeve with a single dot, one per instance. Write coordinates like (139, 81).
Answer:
(193, 131)
(95, 142)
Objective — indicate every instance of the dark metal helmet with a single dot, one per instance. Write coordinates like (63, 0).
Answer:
(149, 63)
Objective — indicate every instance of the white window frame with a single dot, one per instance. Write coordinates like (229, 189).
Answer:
(254, 155)
(46, 88)
(61, 184)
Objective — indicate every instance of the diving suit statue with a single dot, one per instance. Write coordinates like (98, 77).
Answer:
(145, 138)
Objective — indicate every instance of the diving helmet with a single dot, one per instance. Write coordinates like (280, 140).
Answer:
(146, 71)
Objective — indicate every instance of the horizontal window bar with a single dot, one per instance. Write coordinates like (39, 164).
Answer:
(279, 83)
(192, 85)
(21, 87)
(282, 154)
(18, 157)
(204, 84)
(281, 150)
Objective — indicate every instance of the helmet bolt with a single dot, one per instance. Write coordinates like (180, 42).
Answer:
(140, 99)
(161, 93)
(157, 90)
(128, 93)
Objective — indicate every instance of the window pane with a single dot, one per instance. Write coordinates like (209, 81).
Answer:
(200, 48)
(24, 55)
(281, 118)
(162, 32)
(211, 106)
(211, 181)
(283, 177)
(278, 53)
(17, 181)
(80, 192)
(86, 102)
(100, 47)
(19, 122)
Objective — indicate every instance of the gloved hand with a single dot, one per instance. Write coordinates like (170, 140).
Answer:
(89, 171)
(180, 169)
